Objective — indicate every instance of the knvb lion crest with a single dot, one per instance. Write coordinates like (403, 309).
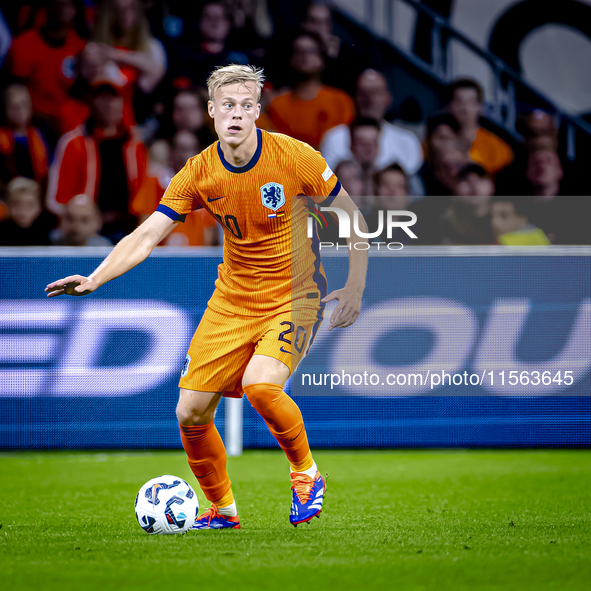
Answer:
(273, 196)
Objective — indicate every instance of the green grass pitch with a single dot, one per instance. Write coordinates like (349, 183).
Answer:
(443, 520)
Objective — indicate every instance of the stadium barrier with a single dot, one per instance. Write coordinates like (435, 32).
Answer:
(460, 347)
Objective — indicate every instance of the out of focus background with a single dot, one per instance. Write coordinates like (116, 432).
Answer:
(472, 113)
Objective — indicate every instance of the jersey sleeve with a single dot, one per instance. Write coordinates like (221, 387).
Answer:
(319, 182)
(181, 196)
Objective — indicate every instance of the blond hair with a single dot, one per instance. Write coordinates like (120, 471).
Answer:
(235, 74)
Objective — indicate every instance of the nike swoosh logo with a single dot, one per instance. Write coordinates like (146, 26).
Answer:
(205, 474)
(210, 199)
(297, 435)
(284, 351)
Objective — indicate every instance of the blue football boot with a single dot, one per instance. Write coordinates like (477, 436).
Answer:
(308, 496)
(211, 519)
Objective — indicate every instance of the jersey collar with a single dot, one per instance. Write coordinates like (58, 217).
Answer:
(253, 160)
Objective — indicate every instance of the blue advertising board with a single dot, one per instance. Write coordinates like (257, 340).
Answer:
(453, 347)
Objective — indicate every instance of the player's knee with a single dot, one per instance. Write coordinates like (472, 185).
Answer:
(187, 415)
(184, 414)
(193, 410)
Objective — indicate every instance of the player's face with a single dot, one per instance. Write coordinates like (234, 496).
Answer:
(234, 111)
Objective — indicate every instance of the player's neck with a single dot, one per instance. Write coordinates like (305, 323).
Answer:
(242, 154)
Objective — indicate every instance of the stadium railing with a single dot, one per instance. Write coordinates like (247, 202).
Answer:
(389, 20)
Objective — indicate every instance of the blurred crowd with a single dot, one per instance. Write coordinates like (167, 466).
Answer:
(103, 102)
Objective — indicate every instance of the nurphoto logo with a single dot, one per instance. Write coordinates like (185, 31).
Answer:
(391, 219)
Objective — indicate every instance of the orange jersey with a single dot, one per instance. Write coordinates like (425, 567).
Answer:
(269, 261)
(49, 73)
(490, 151)
(309, 120)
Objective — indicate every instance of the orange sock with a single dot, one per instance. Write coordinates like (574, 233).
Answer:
(207, 458)
(284, 419)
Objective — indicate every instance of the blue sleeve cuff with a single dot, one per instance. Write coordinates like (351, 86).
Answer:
(333, 194)
(171, 213)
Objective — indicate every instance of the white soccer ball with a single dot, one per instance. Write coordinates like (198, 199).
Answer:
(166, 505)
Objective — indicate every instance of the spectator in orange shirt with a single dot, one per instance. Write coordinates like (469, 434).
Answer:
(102, 159)
(44, 59)
(22, 148)
(310, 108)
(486, 148)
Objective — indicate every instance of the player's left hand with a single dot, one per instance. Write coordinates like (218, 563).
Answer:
(348, 308)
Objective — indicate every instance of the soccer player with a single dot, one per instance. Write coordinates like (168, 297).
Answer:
(270, 294)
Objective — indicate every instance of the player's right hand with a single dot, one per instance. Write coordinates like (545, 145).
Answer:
(75, 285)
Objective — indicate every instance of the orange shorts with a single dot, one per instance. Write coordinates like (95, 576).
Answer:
(224, 343)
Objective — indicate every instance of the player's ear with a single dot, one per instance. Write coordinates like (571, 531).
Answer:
(210, 108)
(258, 111)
